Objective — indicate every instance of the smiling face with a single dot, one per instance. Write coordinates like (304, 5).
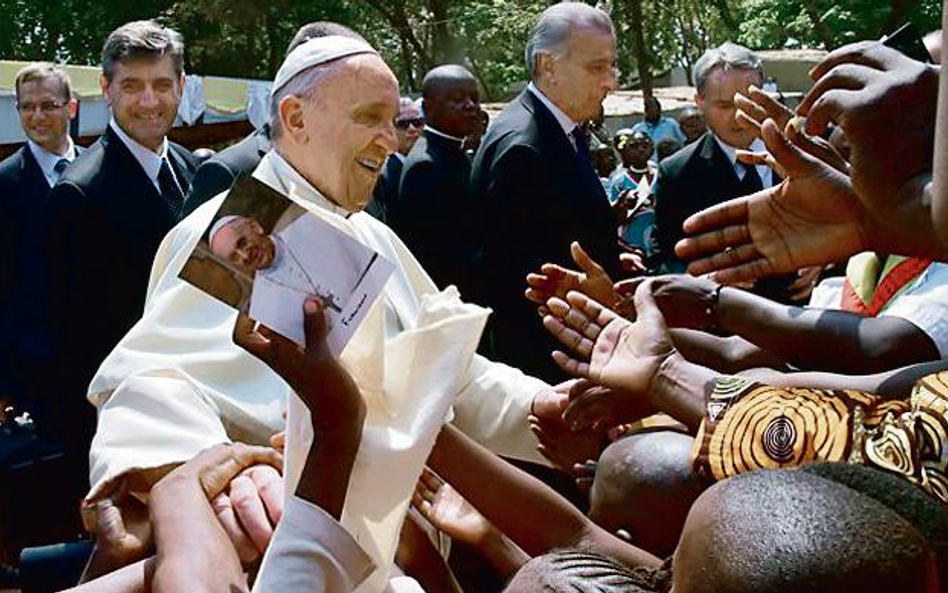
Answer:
(45, 110)
(339, 140)
(144, 95)
(243, 243)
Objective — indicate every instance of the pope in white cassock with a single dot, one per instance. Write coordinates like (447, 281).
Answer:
(177, 383)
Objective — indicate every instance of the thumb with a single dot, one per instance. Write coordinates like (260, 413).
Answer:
(629, 286)
(645, 306)
(582, 259)
(314, 324)
(785, 153)
(108, 521)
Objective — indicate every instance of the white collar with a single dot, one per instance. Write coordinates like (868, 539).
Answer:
(442, 134)
(47, 160)
(399, 156)
(565, 122)
(293, 184)
(756, 146)
(147, 158)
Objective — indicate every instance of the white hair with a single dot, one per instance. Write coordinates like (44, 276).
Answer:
(727, 56)
(304, 86)
(551, 32)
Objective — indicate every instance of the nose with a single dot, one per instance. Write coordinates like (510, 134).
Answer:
(148, 97)
(387, 138)
(612, 79)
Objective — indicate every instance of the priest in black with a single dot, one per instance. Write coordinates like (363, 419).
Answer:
(534, 184)
(434, 214)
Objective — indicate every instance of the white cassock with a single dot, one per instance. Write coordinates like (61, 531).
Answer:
(177, 383)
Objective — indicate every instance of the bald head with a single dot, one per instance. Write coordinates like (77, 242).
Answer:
(451, 101)
(576, 571)
(794, 532)
(644, 485)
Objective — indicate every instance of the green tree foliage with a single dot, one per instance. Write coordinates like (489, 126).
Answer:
(248, 38)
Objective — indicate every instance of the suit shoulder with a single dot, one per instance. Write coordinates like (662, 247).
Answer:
(10, 166)
(681, 160)
(185, 154)
(86, 167)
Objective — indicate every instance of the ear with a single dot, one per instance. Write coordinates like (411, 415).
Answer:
(181, 84)
(545, 65)
(699, 102)
(105, 87)
(73, 107)
(291, 118)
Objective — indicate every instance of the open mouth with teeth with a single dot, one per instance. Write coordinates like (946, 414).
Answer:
(371, 164)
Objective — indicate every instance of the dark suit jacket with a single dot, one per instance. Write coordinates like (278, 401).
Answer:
(534, 198)
(219, 172)
(104, 221)
(434, 214)
(385, 196)
(697, 177)
(23, 189)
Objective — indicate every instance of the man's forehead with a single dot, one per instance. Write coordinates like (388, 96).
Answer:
(39, 86)
(145, 68)
(592, 42)
(723, 81)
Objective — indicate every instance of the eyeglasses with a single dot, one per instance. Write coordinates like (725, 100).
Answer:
(402, 124)
(45, 107)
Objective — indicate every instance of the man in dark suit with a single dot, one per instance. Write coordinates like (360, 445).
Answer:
(707, 172)
(434, 215)
(408, 127)
(108, 213)
(45, 104)
(533, 180)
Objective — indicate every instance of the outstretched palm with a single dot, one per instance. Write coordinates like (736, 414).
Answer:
(621, 354)
(448, 511)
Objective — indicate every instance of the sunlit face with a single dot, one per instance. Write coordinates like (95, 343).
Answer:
(144, 95)
(244, 243)
(45, 111)
(408, 126)
(579, 81)
(693, 126)
(340, 139)
(718, 108)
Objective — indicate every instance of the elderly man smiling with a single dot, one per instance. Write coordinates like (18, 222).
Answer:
(177, 383)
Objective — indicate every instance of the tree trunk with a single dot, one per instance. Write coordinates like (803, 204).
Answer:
(823, 32)
(394, 13)
(638, 45)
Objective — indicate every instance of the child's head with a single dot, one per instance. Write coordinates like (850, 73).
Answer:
(644, 486)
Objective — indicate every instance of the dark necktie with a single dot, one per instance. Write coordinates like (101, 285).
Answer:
(170, 190)
(60, 166)
(582, 150)
(751, 182)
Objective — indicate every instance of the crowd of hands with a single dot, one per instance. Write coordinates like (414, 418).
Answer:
(222, 504)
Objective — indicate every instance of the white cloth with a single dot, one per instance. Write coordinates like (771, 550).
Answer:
(924, 303)
(561, 118)
(177, 384)
(311, 552)
(192, 99)
(765, 173)
(147, 158)
(47, 160)
(258, 102)
(437, 132)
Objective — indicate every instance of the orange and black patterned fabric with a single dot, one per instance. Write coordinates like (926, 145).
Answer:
(752, 426)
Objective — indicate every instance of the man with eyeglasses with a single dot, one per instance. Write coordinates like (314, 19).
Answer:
(408, 126)
(46, 106)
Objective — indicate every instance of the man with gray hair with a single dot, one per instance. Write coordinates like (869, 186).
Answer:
(706, 172)
(108, 213)
(177, 383)
(533, 178)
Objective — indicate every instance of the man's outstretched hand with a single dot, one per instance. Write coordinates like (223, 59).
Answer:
(555, 281)
(811, 217)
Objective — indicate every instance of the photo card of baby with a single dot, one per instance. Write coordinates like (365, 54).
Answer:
(264, 255)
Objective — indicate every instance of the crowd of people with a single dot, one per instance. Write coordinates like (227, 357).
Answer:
(697, 355)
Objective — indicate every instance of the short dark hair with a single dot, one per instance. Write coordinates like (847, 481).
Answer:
(320, 29)
(41, 71)
(781, 531)
(578, 571)
(142, 39)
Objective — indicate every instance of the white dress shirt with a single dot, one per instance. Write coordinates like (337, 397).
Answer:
(147, 158)
(47, 160)
(766, 175)
(564, 120)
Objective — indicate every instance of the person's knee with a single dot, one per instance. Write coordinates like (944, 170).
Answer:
(644, 486)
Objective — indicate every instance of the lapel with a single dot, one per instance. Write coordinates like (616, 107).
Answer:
(31, 176)
(581, 185)
(719, 176)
